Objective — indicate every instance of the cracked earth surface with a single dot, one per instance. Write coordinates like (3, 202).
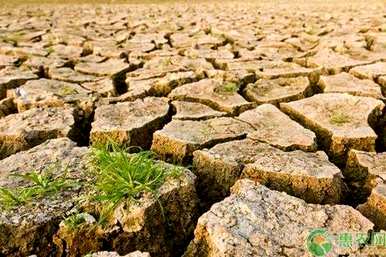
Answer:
(276, 113)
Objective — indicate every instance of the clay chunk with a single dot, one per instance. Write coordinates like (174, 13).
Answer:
(28, 228)
(370, 71)
(268, 123)
(338, 127)
(309, 176)
(256, 221)
(129, 123)
(51, 93)
(194, 111)
(346, 83)
(25, 130)
(278, 90)
(180, 138)
(375, 206)
(221, 96)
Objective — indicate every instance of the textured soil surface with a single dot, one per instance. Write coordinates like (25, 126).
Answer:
(275, 111)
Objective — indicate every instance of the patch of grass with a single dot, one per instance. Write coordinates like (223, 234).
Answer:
(41, 185)
(75, 220)
(370, 41)
(121, 176)
(230, 87)
(12, 38)
(66, 91)
(50, 50)
(167, 62)
(339, 118)
(206, 131)
(10, 198)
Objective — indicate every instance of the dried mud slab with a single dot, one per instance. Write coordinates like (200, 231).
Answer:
(187, 40)
(163, 86)
(382, 82)
(267, 121)
(111, 67)
(218, 55)
(194, 111)
(346, 83)
(28, 228)
(7, 61)
(371, 71)
(336, 125)
(69, 75)
(52, 93)
(365, 170)
(22, 131)
(375, 206)
(103, 87)
(142, 224)
(23, 51)
(221, 96)
(180, 138)
(270, 69)
(130, 123)
(238, 76)
(160, 84)
(41, 225)
(7, 106)
(44, 64)
(255, 221)
(278, 90)
(136, 89)
(330, 62)
(13, 78)
(66, 52)
(177, 63)
(309, 176)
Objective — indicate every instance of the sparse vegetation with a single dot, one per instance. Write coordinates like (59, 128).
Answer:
(370, 41)
(42, 184)
(50, 50)
(339, 118)
(66, 91)
(75, 220)
(12, 38)
(122, 176)
(167, 62)
(206, 131)
(230, 87)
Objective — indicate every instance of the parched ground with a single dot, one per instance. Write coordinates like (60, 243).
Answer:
(276, 109)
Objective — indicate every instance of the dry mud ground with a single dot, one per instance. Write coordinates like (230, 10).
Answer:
(275, 109)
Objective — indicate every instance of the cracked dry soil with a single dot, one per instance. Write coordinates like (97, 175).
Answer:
(275, 110)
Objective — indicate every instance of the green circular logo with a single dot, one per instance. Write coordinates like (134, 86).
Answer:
(319, 242)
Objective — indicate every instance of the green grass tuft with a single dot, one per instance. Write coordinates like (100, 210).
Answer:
(12, 38)
(229, 87)
(50, 50)
(75, 221)
(122, 176)
(339, 118)
(66, 91)
(41, 185)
